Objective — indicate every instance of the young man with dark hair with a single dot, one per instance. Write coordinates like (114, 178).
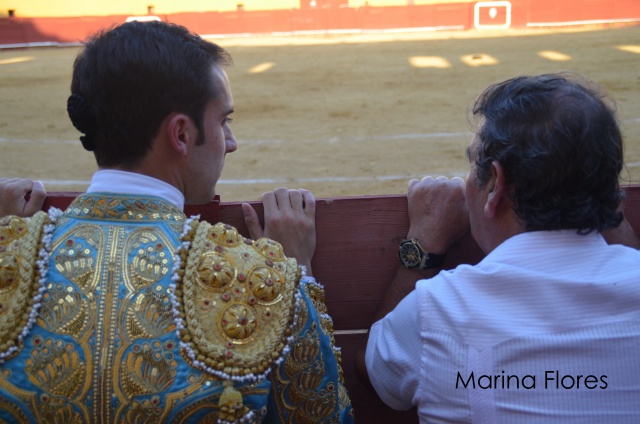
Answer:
(122, 309)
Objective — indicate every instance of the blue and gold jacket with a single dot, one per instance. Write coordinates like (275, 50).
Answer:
(123, 310)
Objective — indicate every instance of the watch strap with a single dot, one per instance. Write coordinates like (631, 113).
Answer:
(431, 260)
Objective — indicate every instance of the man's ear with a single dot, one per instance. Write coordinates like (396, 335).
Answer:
(181, 132)
(497, 190)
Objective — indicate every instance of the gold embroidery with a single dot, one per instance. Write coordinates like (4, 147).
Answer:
(55, 409)
(303, 352)
(12, 229)
(55, 367)
(20, 244)
(343, 397)
(269, 249)
(238, 322)
(316, 294)
(147, 411)
(307, 381)
(107, 302)
(118, 293)
(75, 262)
(74, 255)
(151, 260)
(266, 285)
(215, 271)
(148, 368)
(63, 310)
(317, 407)
(150, 315)
(238, 300)
(303, 316)
(225, 235)
(9, 266)
(301, 391)
(16, 415)
(121, 208)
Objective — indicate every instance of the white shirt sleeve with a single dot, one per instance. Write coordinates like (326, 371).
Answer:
(393, 354)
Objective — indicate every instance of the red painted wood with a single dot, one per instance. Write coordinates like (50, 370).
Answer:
(12, 31)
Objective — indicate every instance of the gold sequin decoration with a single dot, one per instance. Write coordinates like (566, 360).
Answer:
(16, 414)
(270, 249)
(150, 315)
(9, 266)
(248, 294)
(55, 367)
(55, 409)
(147, 411)
(20, 242)
(300, 395)
(11, 229)
(63, 310)
(73, 255)
(225, 235)
(119, 208)
(238, 322)
(307, 382)
(150, 261)
(317, 407)
(148, 368)
(215, 271)
(303, 352)
(266, 285)
(316, 294)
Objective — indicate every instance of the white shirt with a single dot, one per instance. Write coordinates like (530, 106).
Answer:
(541, 302)
(114, 181)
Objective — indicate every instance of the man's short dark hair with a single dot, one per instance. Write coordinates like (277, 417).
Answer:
(129, 78)
(560, 147)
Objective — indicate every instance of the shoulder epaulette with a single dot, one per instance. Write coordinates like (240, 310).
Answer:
(236, 301)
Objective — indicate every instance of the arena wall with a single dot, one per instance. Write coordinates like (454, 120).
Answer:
(302, 16)
(69, 8)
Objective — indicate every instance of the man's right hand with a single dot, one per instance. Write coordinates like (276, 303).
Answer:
(21, 196)
(290, 219)
(438, 212)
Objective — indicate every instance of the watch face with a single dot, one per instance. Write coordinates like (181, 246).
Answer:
(409, 255)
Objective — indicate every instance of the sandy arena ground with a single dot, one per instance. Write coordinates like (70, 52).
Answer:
(341, 115)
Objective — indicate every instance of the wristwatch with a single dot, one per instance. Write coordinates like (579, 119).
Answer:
(412, 256)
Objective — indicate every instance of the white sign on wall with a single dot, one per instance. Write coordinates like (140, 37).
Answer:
(492, 14)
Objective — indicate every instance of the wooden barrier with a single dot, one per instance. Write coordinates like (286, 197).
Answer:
(357, 241)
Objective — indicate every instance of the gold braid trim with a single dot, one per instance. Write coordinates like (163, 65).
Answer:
(235, 301)
(24, 258)
(316, 294)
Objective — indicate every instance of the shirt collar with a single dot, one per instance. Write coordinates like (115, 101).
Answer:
(116, 181)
